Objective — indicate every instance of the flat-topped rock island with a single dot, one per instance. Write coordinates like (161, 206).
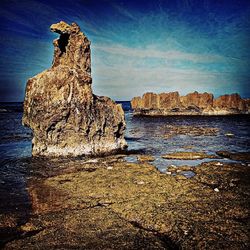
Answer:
(151, 104)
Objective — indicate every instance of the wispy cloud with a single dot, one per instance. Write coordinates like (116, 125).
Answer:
(120, 78)
(136, 46)
(119, 81)
(154, 53)
(123, 11)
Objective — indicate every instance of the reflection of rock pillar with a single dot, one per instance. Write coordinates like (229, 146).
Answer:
(44, 198)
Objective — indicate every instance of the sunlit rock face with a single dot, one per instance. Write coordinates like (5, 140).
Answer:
(191, 104)
(233, 102)
(65, 116)
(199, 100)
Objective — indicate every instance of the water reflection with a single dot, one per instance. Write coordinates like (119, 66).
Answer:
(149, 134)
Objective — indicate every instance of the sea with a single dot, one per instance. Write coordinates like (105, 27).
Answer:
(144, 135)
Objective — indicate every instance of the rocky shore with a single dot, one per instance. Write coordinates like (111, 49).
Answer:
(108, 203)
(151, 104)
(103, 201)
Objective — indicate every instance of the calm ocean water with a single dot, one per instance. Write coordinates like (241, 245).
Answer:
(143, 133)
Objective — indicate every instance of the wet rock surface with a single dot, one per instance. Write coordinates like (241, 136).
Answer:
(145, 158)
(151, 104)
(60, 108)
(188, 156)
(239, 156)
(190, 130)
(175, 169)
(108, 203)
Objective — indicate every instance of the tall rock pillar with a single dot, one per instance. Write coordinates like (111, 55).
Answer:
(65, 116)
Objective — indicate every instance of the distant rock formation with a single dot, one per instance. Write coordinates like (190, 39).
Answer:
(65, 116)
(191, 104)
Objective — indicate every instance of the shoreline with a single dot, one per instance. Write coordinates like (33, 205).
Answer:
(144, 113)
(113, 204)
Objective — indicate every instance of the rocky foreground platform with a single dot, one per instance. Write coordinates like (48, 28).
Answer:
(108, 203)
(151, 104)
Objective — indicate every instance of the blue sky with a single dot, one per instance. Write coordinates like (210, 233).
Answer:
(137, 46)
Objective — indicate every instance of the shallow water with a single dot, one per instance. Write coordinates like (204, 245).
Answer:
(143, 134)
(148, 134)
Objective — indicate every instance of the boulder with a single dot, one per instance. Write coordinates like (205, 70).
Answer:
(65, 116)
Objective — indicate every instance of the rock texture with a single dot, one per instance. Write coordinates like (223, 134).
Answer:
(188, 156)
(60, 108)
(133, 206)
(191, 104)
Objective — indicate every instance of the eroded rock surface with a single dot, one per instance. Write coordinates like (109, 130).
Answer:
(240, 156)
(190, 130)
(133, 206)
(60, 108)
(188, 156)
(192, 104)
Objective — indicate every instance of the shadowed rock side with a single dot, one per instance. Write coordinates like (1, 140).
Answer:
(60, 108)
(192, 104)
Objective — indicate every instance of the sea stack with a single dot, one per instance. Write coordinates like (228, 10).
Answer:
(66, 118)
(151, 104)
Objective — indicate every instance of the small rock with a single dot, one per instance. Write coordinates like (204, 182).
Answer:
(140, 182)
(180, 177)
(173, 166)
(109, 168)
(168, 172)
(185, 168)
(28, 227)
(216, 190)
(188, 147)
(229, 134)
(187, 156)
(92, 161)
(144, 158)
(219, 164)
